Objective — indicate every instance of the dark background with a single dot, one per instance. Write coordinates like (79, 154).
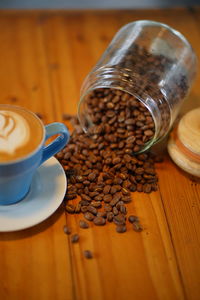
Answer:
(94, 4)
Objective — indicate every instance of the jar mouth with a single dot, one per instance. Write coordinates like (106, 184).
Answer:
(87, 123)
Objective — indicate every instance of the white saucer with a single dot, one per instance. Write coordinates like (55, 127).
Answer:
(46, 194)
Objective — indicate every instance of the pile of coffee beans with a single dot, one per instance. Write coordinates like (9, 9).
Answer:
(103, 169)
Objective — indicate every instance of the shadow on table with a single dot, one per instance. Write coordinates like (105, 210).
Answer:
(22, 234)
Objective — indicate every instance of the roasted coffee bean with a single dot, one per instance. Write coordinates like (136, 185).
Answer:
(86, 197)
(70, 208)
(133, 187)
(92, 209)
(84, 203)
(107, 198)
(126, 199)
(106, 189)
(147, 188)
(102, 214)
(114, 201)
(83, 209)
(79, 179)
(121, 228)
(70, 196)
(99, 197)
(92, 176)
(83, 224)
(123, 209)
(110, 216)
(75, 238)
(89, 216)
(126, 184)
(139, 187)
(119, 203)
(93, 194)
(99, 221)
(96, 204)
(133, 219)
(67, 229)
(107, 208)
(87, 254)
(113, 189)
(125, 191)
(119, 219)
(77, 208)
(115, 210)
(137, 227)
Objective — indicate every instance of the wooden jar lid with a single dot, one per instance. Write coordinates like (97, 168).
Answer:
(184, 143)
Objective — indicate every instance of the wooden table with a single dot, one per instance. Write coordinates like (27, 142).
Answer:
(44, 57)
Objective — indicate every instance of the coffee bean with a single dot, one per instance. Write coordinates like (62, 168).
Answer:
(106, 189)
(133, 219)
(110, 216)
(77, 208)
(92, 209)
(107, 208)
(74, 238)
(113, 189)
(85, 197)
(70, 208)
(92, 176)
(119, 219)
(107, 198)
(67, 229)
(123, 210)
(148, 132)
(84, 209)
(89, 216)
(83, 224)
(137, 227)
(96, 204)
(139, 187)
(126, 199)
(102, 214)
(99, 221)
(115, 210)
(121, 228)
(87, 254)
(125, 191)
(147, 188)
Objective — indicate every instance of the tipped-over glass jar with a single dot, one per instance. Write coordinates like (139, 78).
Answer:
(136, 89)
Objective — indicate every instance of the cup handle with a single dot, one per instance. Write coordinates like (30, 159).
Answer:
(56, 145)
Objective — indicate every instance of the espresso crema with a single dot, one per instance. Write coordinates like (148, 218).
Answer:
(21, 132)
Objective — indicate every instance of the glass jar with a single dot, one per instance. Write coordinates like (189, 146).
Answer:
(151, 62)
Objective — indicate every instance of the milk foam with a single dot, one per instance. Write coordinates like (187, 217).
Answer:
(14, 131)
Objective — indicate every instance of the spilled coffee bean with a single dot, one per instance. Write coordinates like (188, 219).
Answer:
(75, 238)
(83, 224)
(87, 254)
(67, 229)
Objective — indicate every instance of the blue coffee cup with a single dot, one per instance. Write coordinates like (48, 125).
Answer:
(16, 176)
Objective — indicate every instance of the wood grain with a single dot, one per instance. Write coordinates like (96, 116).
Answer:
(44, 57)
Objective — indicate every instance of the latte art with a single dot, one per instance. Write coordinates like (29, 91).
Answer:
(14, 132)
(21, 132)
